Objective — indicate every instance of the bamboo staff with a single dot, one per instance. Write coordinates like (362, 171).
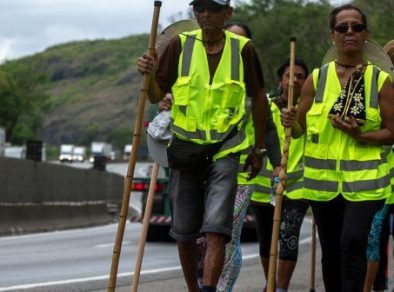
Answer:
(133, 157)
(145, 225)
(282, 183)
(313, 258)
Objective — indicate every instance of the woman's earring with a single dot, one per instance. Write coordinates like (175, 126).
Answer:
(333, 43)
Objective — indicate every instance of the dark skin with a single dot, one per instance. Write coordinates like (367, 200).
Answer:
(350, 52)
(213, 36)
(211, 24)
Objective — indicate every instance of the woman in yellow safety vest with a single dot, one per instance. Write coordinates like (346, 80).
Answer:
(347, 112)
(294, 207)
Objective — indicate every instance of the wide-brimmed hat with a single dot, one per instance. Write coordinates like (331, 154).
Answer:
(158, 136)
(373, 53)
(172, 30)
(220, 2)
(389, 48)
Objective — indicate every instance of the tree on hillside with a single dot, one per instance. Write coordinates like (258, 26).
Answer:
(22, 101)
(273, 22)
(380, 20)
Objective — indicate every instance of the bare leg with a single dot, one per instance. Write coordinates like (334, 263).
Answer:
(214, 258)
(285, 271)
(372, 270)
(188, 255)
(265, 262)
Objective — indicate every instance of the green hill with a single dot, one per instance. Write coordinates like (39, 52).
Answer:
(94, 89)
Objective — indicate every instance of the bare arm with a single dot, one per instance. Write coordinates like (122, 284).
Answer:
(383, 136)
(147, 65)
(259, 122)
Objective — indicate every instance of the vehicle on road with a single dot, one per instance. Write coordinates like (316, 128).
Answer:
(101, 149)
(15, 152)
(66, 153)
(160, 221)
(79, 154)
(127, 152)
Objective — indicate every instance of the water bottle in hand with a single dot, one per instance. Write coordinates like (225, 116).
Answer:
(275, 183)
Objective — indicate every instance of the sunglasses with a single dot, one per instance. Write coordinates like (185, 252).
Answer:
(212, 7)
(344, 28)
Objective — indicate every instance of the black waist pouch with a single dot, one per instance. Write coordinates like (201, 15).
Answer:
(188, 156)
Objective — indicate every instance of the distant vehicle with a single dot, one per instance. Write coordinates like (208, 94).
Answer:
(66, 153)
(100, 149)
(127, 152)
(79, 154)
(15, 152)
(2, 141)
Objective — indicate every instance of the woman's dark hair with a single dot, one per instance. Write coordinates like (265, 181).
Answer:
(299, 62)
(338, 9)
(244, 27)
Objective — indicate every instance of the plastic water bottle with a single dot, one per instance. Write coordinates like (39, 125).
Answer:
(273, 190)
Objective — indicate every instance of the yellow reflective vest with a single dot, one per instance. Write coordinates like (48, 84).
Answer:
(207, 113)
(390, 161)
(335, 163)
(294, 184)
(249, 130)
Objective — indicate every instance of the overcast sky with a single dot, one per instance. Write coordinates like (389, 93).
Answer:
(30, 26)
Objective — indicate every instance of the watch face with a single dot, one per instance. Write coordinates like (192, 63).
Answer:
(260, 151)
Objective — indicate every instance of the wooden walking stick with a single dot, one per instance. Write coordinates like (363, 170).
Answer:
(313, 258)
(133, 157)
(145, 225)
(282, 181)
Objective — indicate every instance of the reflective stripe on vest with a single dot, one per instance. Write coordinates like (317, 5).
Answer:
(374, 94)
(212, 123)
(187, 55)
(351, 165)
(295, 172)
(188, 52)
(390, 161)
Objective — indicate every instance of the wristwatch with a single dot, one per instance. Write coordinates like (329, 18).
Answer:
(260, 152)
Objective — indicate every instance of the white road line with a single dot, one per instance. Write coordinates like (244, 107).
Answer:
(305, 240)
(111, 226)
(88, 279)
(105, 277)
(105, 245)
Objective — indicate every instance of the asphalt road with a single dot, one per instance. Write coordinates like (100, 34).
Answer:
(79, 260)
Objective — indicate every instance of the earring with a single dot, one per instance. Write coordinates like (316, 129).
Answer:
(333, 43)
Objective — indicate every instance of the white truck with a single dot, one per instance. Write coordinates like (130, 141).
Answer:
(100, 149)
(66, 153)
(127, 152)
(79, 154)
(15, 152)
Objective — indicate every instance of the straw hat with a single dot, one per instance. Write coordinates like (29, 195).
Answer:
(389, 48)
(373, 52)
(172, 30)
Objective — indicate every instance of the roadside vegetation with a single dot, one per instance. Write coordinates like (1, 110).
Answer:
(88, 90)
